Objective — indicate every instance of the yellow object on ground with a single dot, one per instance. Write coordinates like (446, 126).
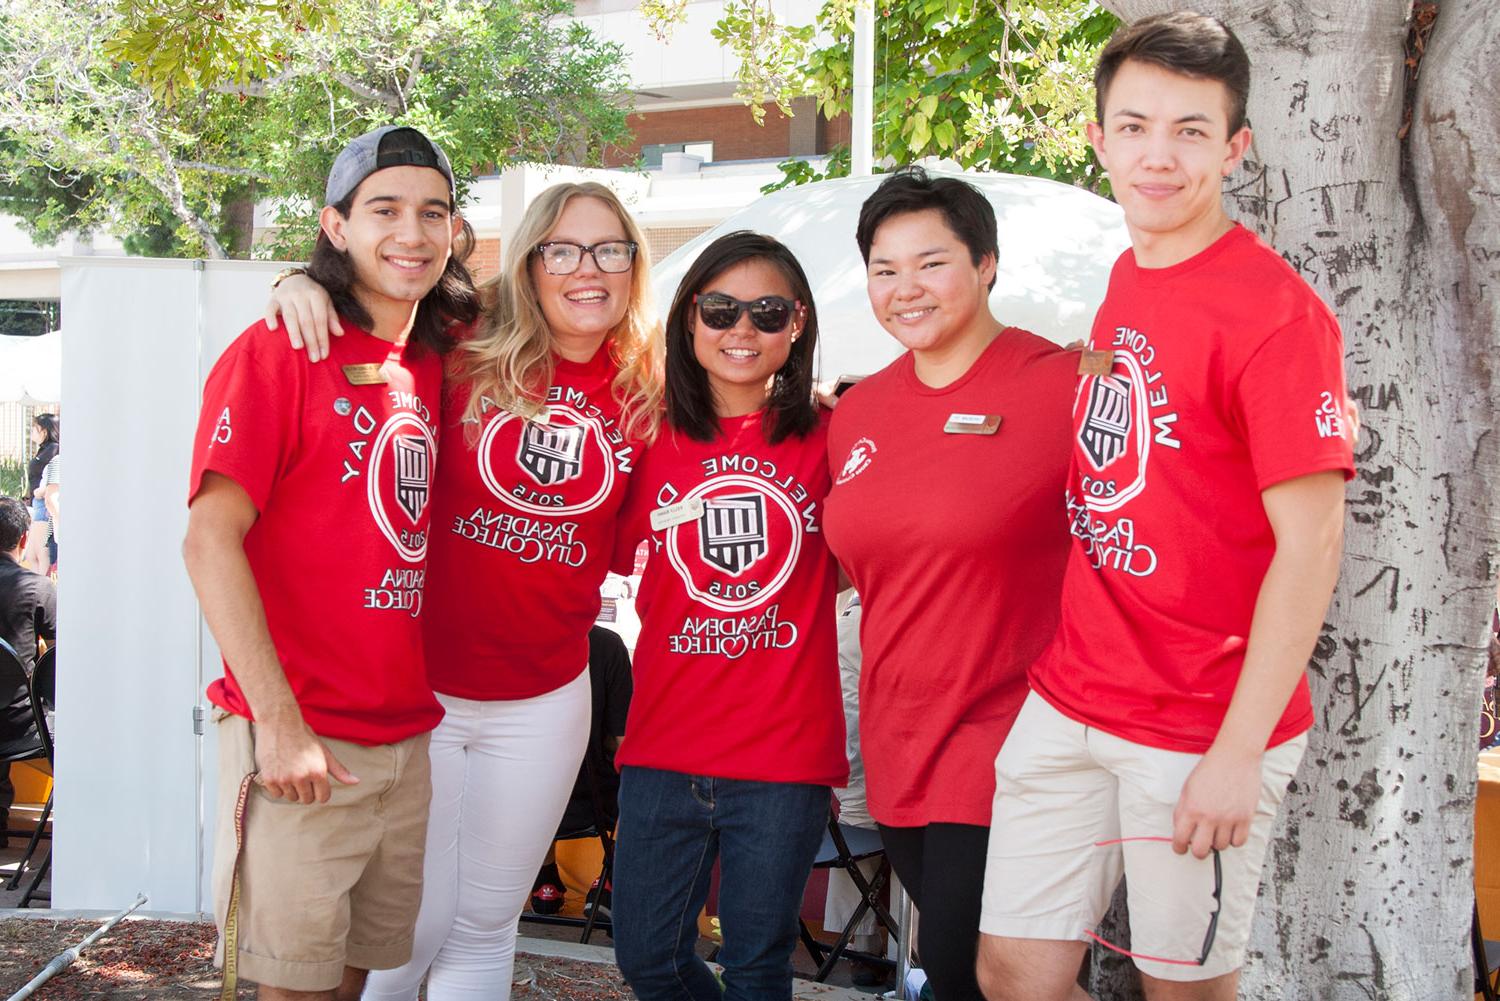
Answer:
(33, 783)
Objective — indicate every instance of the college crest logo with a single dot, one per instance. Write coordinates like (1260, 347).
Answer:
(413, 469)
(743, 549)
(860, 455)
(551, 454)
(1115, 433)
(1106, 423)
(565, 467)
(400, 482)
(732, 532)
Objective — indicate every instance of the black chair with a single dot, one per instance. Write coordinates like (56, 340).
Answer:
(43, 707)
(601, 828)
(25, 736)
(1486, 961)
(844, 847)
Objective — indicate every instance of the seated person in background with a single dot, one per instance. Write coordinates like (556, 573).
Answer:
(609, 689)
(28, 612)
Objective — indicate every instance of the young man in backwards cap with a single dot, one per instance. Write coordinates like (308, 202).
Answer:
(307, 545)
(1206, 500)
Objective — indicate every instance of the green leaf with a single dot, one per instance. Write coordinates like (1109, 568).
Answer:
(946, 134)
(920, 133)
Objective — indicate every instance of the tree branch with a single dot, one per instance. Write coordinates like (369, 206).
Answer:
(391, 102)
(216, 168)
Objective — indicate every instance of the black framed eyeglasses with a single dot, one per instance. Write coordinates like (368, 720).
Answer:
(560, 257)
(770, 314)
(1213, 919)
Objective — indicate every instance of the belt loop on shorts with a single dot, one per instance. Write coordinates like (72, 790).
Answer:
(231, 919)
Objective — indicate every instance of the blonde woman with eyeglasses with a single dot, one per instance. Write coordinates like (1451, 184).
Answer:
(546, 408)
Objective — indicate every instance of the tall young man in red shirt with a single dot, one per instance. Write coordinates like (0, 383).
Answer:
(307, 546)
(1206, 502)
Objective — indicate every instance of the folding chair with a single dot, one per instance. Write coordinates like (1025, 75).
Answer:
(844, 847)
(601, 829)
(1486, 960)
(27, 740)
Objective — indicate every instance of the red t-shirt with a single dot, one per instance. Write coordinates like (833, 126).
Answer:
(956, 543)
(525, 525)
(1227, 378)
(736, 668)
(341, 475)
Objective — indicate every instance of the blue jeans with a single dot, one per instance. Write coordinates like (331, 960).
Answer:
(672, 827)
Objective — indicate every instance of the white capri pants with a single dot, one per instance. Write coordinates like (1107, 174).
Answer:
(502, 773)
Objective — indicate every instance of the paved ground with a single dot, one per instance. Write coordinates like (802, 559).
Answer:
(556, 941)
(10, 857)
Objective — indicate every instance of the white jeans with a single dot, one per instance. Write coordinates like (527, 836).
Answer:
(502, 773)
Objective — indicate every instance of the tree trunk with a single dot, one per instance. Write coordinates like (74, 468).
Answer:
(239, 214)
(1367, 891)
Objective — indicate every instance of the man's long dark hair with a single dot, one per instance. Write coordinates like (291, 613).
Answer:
(690, 405)
(453, 300)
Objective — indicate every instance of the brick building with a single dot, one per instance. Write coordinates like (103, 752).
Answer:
(696, 154)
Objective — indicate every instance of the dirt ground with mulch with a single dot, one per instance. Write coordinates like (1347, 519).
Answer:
(173, 961)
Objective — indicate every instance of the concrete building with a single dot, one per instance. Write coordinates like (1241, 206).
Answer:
(696, 154)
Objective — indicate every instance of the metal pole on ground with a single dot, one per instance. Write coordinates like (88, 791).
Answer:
(63, 960)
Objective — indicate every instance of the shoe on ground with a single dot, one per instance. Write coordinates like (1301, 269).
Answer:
(599, 898)
(547, 892)
(868, 974)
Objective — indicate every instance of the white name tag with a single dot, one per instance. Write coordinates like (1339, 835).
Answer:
(677, 514)
(972, 424)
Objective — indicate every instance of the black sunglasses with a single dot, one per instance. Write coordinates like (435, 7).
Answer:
(770, 313)
(1213, 919)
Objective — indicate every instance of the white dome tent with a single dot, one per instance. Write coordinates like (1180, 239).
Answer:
(31, 369)
(1057, 245)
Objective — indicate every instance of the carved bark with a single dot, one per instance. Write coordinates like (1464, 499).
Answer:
(1367, 890)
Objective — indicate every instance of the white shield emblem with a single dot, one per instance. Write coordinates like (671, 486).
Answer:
(412, 469)
(1106, 425)
(732, 532)
(552, 453)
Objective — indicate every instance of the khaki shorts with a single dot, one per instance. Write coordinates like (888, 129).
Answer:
(1061, 787)
(323, 885)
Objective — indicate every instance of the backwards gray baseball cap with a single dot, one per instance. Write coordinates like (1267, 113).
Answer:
(387, 146)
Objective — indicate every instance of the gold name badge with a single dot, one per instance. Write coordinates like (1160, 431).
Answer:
(1098, 363)
(368, 374)
(972, 424)
(677, 514)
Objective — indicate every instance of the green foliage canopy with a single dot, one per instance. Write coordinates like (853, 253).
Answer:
(992, 84)
(168, 120)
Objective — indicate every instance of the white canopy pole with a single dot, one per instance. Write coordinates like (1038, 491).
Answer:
(862, 119)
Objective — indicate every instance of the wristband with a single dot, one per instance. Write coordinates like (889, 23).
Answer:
(286, 273)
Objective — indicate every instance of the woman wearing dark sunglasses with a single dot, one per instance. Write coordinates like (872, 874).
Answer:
(735, 733)
(947, 513)
(546, 409)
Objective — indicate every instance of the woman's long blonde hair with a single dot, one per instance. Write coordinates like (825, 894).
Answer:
(509, 360)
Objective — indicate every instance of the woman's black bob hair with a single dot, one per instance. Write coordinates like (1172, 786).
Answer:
(790, 409)
(962, 206)
(50, 426)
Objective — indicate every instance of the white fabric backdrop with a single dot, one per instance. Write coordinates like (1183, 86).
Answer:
(142, 335)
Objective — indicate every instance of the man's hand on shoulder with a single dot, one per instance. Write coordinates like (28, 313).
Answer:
(1217, 803)
(293, 763)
